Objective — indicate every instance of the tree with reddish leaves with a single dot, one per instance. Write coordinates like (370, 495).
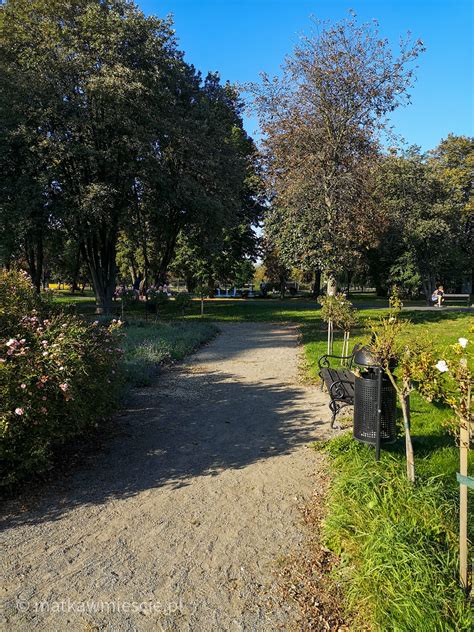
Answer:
(322, 122)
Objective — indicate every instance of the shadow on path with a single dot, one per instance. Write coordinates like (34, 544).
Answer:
(190, 424)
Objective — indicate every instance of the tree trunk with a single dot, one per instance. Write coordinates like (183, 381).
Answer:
(34, 256)
(75, 272)
(282, 287)
(350, 275)
(167, 258)
(331, 284)
(98, 251)
(190, 283)
(427, 290)
(330, 336)
(405, 404)
(211, 286)
(317, 283)
(404, 399)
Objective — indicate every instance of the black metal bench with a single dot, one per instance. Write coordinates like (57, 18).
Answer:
(457, 298)
(338, 381)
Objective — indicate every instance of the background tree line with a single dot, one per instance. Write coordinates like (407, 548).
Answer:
(117, 156)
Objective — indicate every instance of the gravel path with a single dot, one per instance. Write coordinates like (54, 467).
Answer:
(181, 522)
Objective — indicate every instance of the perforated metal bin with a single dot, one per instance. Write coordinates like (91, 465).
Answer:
(366, 409)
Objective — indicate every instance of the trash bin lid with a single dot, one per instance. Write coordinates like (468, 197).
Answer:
(364, 357)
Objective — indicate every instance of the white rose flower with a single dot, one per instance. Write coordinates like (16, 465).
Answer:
(463, 342)
(442, 366)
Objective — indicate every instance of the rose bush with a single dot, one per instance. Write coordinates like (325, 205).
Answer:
(59, 376)
(17, 297)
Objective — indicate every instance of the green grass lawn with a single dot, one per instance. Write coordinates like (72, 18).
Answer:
(147, 345)
(397, 542)
(297, 310)
(253, 310)
(442, 327)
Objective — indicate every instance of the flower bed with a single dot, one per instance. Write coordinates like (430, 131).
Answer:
(58, 378)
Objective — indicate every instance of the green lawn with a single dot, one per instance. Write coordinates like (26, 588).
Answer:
(398, 542)
(297, 310)
(442, 327)
(147, 345)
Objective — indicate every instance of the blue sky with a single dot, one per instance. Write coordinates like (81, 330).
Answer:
(240, 38)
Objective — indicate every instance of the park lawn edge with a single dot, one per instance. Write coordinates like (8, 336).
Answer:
(397, 544)
(140, 363)
(150, 345)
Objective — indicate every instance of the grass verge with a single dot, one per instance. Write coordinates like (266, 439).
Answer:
(148, 345)
(398, 543)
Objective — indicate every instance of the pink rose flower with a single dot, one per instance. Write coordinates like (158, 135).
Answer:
(19, 411)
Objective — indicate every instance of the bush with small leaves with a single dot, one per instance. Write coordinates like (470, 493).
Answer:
(59, 375)
(183, 301)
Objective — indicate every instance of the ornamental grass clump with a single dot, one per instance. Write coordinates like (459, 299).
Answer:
(58, 378)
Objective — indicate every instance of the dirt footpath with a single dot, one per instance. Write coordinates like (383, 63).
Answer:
(182, 521)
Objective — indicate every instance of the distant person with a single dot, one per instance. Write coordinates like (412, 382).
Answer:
(437, 297)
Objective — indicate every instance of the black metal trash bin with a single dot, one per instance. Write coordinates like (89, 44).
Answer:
(366, 408)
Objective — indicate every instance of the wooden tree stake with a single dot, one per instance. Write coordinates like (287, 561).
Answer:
(464, 437)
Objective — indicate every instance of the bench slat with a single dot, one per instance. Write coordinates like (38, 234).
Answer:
(330, 376)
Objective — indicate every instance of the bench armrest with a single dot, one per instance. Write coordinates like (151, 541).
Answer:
(323, 362)
(337, 390)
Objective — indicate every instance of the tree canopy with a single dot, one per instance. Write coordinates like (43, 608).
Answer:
(321, 121)
(110, 137)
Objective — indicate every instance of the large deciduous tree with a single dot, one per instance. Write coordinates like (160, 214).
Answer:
(412, 251)
(88, 83)
(321, 121)
(111, 139)
(453, 163)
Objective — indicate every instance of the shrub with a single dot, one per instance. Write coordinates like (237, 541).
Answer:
(128, 296)
(183, 301)
(157, 298)
(17, 297)
(58, 377)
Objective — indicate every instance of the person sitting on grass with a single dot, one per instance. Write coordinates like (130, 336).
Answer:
(437, 296)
